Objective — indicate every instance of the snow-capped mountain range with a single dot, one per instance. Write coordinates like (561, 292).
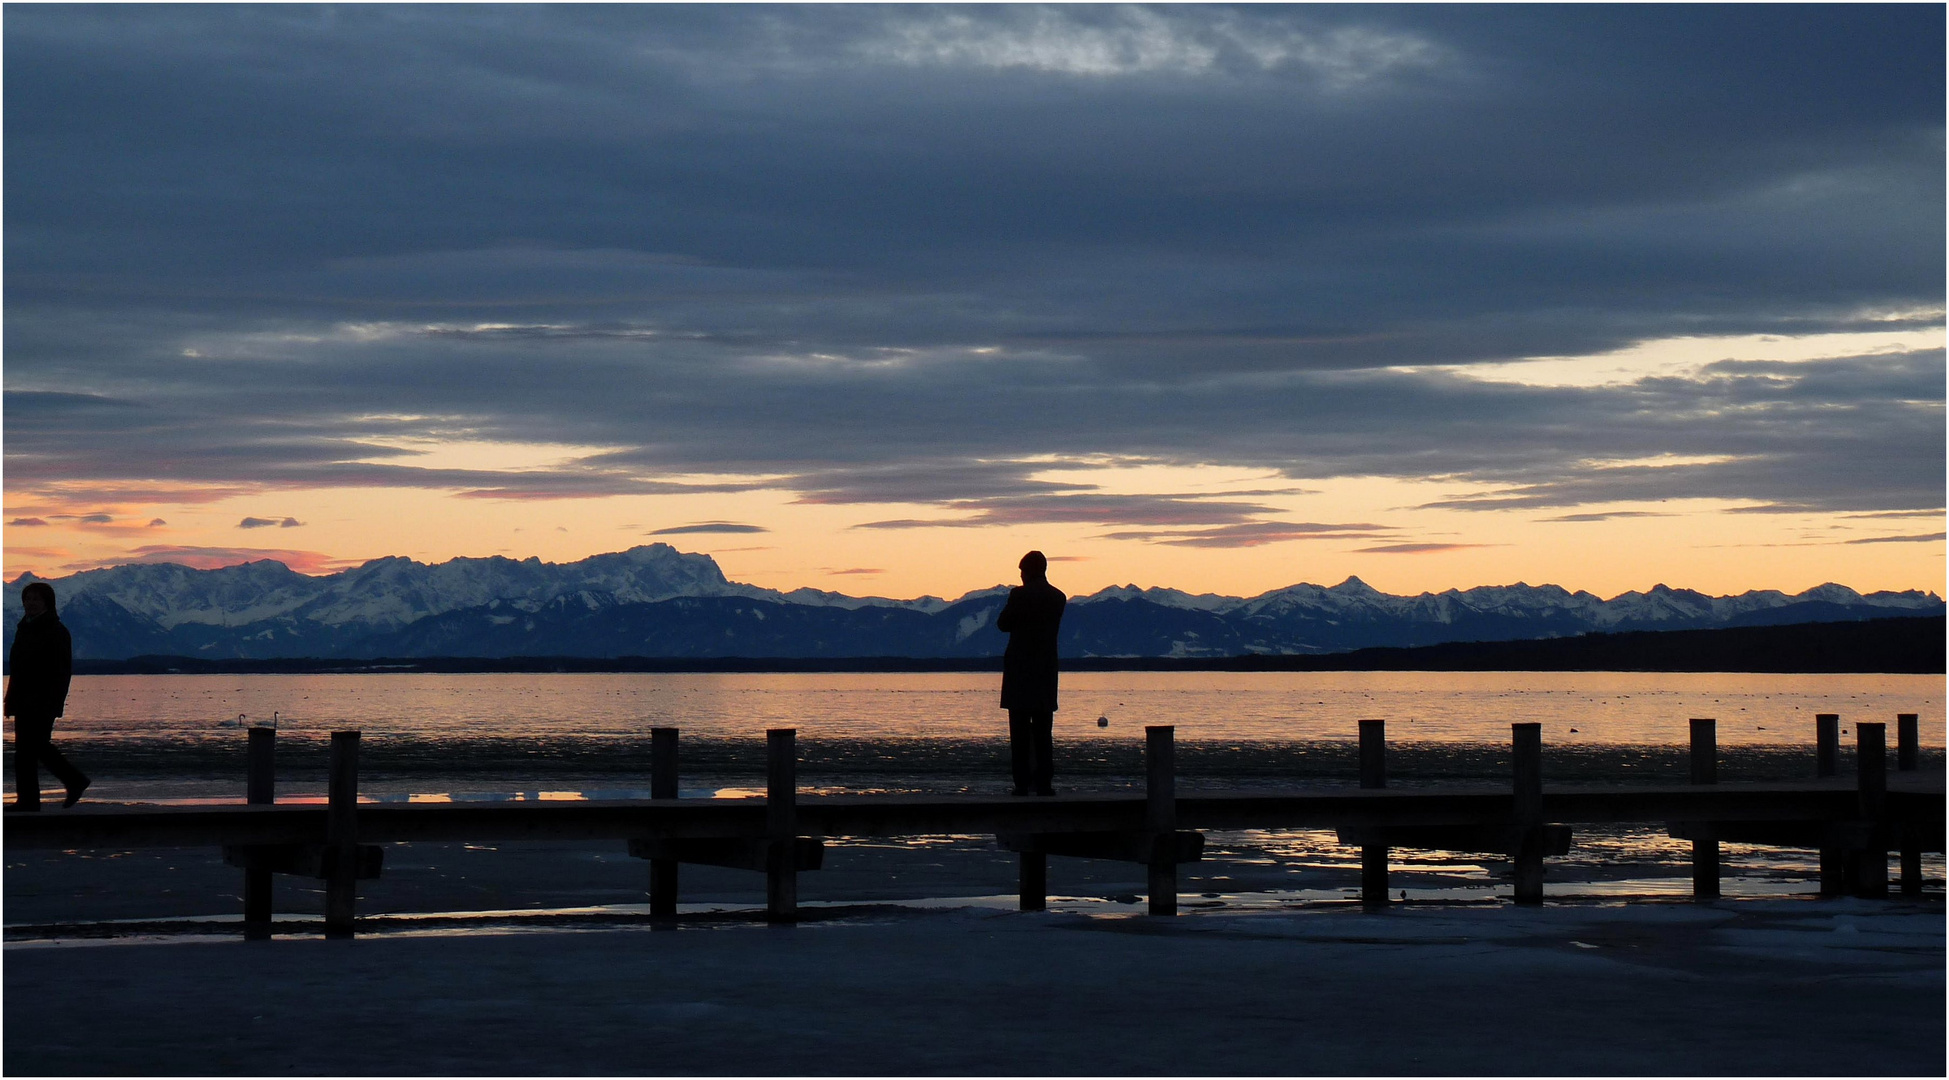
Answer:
(658, 601)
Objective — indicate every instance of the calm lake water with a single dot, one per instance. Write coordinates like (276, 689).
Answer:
(161, 736)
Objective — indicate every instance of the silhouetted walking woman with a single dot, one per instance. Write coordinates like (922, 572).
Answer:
(39, 669)
(1030, 619)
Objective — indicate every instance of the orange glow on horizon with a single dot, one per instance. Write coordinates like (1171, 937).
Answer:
(1382, 532)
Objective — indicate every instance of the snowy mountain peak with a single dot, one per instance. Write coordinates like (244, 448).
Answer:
(1171, 598)
(1353, 586)
(1832, 593)
(401, 607)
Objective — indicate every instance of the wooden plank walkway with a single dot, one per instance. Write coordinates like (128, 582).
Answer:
(1855, 822)
(114, 826)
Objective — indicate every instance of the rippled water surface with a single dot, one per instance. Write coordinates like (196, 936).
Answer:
(1603, 707)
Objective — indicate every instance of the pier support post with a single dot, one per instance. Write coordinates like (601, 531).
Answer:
(1705, 770)
(1871, 780)
(1908, 755)
(1827, 762)
(781, 825)
(663, 785)
(1908, 742)
(1373, 776)
(1526, 745)
(1827, 744)
(1161, 816)
(1032, 881)
(341, 835)
(260, 789)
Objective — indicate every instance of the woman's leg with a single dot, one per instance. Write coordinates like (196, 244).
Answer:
(30, 736)
(58, 764)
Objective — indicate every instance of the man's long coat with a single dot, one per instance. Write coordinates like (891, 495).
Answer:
(1030, 619)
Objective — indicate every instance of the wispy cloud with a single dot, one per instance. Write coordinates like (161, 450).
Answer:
(1129, 41)
(203, 557)
(1930, 513)
(1924, 538)
(1417, 549)
(1607, 515)
(728, 527)
(1253, 534)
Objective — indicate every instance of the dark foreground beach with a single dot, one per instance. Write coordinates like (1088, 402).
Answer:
(538, 959)
(1795, 987)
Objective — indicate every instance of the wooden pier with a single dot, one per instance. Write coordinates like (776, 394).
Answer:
(1855, 823)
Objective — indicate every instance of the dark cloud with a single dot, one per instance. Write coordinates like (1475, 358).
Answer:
(27, 522)
(924, 255)
(709, 527)
(1416, 549)
(265, 523)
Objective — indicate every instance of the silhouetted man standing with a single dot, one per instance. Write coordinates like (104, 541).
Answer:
(39, 669)
(1030, 619)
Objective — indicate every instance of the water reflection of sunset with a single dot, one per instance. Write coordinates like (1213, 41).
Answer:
(420, 718)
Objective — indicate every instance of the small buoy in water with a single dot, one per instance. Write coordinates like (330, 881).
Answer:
(1102, 721)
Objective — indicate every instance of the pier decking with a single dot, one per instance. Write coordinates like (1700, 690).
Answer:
(1855, 822)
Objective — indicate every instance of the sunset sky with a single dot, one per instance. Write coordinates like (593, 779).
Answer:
(873, 299)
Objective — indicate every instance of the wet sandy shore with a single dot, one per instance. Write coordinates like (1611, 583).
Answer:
(1753, 987)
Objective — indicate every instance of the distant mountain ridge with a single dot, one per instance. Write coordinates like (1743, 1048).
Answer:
(657, 601)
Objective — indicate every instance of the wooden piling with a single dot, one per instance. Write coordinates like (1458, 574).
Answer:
(1526, 761)
(1908, 742)
(1161, 816)
(260, 782)
(1032, 877)
(1827, 744)
(1911, 866)
(260, 789)
(1827, 762)
(781, 825)
(1705, 770)
(1373, 775)
(341, 835)
(1908, 758)
(663, 785)
(1871, 781)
